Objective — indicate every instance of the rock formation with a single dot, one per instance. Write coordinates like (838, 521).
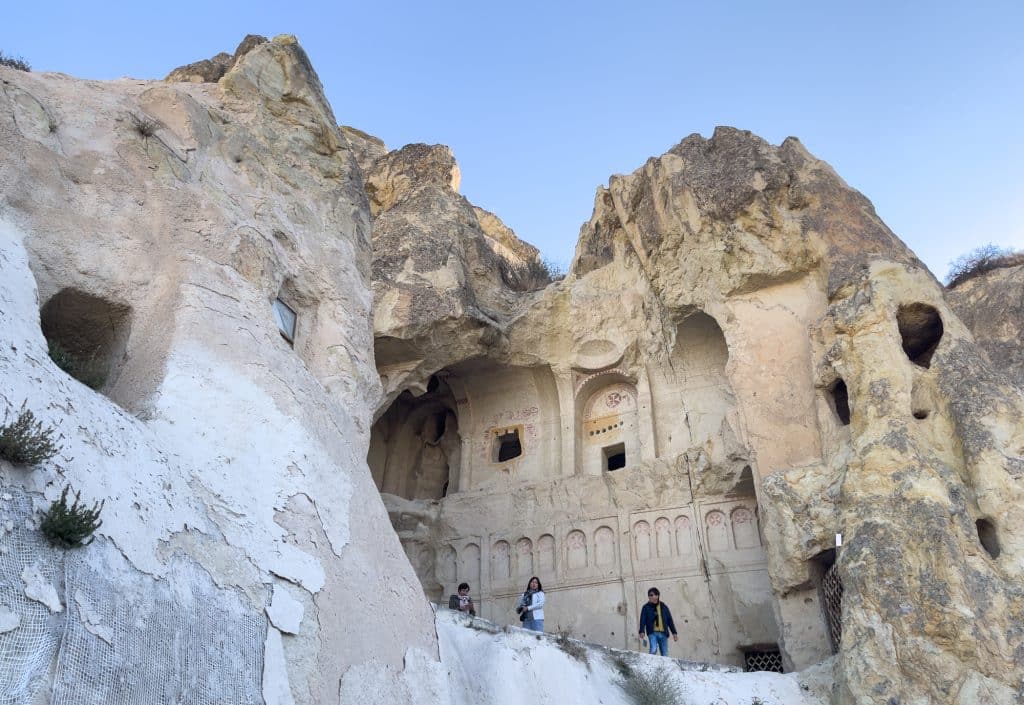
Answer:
(213, 69)
(155, 227)
(992, 306)
(783, 359)
(743, 364)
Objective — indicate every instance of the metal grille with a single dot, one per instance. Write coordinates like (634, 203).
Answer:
(832, 601)
(763, 661)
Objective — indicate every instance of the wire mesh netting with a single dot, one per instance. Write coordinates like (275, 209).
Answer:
(763, 661)
(123, 637)
(27, 649)
(832, 601)
(135, 639)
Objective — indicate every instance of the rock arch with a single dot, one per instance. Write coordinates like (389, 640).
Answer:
(692, 381)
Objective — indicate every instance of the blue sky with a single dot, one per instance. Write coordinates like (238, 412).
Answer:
(918, 105)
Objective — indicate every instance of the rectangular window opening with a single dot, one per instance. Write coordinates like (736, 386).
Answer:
(506, 445)
(614, 457)
(286, 320)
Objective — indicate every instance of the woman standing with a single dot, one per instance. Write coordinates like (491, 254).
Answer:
(530, 607)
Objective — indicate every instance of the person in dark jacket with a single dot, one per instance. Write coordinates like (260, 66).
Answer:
(656, 623)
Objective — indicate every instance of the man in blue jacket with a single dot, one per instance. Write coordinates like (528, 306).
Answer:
(656, 623)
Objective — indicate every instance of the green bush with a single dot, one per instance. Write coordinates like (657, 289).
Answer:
(14, 63)
(25, 441)
(90, 370)
(651, 688)
(981, 260)
(69, 526)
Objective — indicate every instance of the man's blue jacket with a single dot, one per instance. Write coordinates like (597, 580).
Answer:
(648, 616)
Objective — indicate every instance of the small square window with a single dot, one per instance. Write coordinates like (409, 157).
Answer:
(614, 456)
(506, 445)
(286, 320)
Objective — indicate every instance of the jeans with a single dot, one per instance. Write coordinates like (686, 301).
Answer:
(536, 625)
(658, 642)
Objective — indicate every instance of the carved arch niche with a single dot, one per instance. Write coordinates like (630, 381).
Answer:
(524, 558)
(576, 550)
(501, 566)
(546, 556)
(692, 385)
(469, 564)
(609, 434)
(744, 528)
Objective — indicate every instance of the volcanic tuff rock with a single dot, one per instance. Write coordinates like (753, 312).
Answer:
(213, 69)
(447, 275)
(992, 306)
(155, 223)
(919, 464)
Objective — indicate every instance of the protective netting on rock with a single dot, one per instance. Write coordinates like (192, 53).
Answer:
(134, 639)
(123, 637)
(27, 650)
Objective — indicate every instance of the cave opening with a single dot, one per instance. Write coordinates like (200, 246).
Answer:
(86, 336)
(830, 587)
(988, 538)
(415, 446)
(841, 401)
(920, 327)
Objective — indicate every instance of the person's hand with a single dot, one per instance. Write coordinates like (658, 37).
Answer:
(675, 637)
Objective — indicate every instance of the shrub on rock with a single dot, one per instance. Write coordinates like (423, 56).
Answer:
(70, 526)
(25, 441)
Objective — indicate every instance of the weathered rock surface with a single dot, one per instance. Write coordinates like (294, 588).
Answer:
(154, 224)
(742, 363)
(446, 275)
(992, 306)
(213, 69)
(847, 383)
